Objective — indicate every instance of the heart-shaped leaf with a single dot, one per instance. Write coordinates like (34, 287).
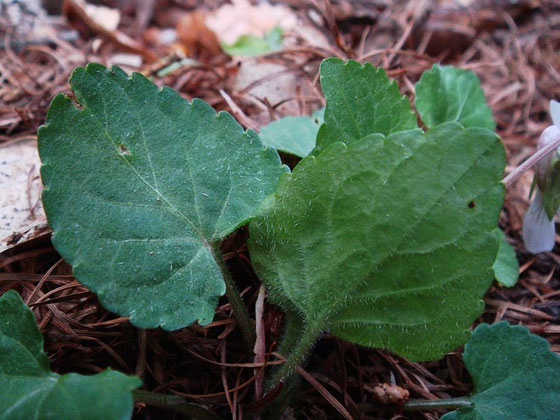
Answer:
(515, 375)
(448, 94)
(389, 242)
(360, 101)
(293, 135)
(31, 391)
(141, 186)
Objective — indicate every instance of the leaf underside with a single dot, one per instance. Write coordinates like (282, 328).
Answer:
(388, 241)
(140, 185)
(360, 101)
(448, 94)
(515, 375)
(29, 390)
(293, 135)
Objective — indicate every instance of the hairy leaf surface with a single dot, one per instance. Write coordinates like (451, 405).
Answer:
(506, 266)
(140, 185)
(448, 94)
(515, 375)
(360, 101)
(389, 242)
(29, 390)
(293, 135)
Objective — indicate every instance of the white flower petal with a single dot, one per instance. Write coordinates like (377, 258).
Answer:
(538, 231)
(555, 112)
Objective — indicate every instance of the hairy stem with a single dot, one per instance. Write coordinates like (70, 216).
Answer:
(297, 341)
(237, 305)
(298, 351)
(461, 402)
(292, 330)
(552, 131)
(175, 403)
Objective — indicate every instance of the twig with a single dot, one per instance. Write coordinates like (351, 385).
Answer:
(326, 394)
(224, 377)
(238, 112)
(554, 133)
(260, 344)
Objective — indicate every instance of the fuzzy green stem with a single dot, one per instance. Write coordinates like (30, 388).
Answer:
(237, 305)
(175, 403)
(461, 402)
(292, 330)
(299, 351)
(297, 341)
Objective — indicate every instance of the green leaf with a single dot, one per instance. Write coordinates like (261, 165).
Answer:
(506, 266)
(360, 101)
(253, 45)
(29, 390)
(550, 188)
(387, 242)
(141, 186)
(293, 135)
(515, 375)
(447, 94)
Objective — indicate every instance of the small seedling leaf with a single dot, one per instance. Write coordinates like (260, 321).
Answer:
(250, 44)
(389, 242)
(140, 186)
(29, 390)
(515, 375)
(360, 101)
(293, 135)
(448, 94)
(506, 266)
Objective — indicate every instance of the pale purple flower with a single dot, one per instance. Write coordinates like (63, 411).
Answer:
(538, 230)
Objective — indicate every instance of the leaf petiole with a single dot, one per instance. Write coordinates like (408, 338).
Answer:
(234, 298)
(300, 349)
(413, 405)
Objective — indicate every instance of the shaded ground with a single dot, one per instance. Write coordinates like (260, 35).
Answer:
(512, 45)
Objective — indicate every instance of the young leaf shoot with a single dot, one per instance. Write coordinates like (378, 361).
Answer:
(445, 94)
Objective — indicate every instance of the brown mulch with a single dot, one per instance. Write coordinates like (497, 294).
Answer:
(513, 46)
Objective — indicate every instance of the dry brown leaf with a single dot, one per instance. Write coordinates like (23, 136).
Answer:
(77, 13)
(196, 38)
(231, 21)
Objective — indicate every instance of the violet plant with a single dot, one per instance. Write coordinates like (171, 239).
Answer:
(384, 234)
